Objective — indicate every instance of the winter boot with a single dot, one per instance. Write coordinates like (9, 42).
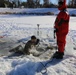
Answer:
(58, 55)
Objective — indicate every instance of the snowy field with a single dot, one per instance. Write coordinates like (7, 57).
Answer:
(15, 29)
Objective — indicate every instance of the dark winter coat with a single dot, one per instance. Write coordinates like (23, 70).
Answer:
(28, 46)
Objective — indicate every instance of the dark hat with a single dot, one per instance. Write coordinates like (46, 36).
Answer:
(33, 37)
(60, 3)
(63, 4)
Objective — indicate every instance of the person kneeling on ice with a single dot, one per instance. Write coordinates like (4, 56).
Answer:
(61, 28)
(34, 41)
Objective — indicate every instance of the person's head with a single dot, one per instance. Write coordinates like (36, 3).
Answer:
(33, 39)
(62, 4)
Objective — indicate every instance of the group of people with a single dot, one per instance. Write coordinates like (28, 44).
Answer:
(61, 29)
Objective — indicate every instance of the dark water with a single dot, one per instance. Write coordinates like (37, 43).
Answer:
(4, 52)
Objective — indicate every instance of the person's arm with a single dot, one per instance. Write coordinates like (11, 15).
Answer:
(55, 30)
(37, 41)
(58, 22)
(27, 47)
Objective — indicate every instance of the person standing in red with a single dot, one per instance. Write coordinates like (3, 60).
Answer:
(61, 28)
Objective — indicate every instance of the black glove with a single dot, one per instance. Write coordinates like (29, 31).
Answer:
(55, 30)
(37, 41)
(54, 36)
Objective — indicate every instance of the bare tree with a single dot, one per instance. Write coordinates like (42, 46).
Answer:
(46, 3)
(72, 3)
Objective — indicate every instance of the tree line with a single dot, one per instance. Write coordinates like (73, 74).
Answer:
(32, 3)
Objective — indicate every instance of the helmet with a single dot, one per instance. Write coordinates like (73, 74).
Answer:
(62, 4)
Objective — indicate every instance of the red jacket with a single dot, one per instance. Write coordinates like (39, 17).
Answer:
(62, 22)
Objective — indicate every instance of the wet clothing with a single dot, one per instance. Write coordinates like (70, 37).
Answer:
(28, 46)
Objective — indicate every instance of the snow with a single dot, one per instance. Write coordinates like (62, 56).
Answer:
(35, 10)
(15, 29)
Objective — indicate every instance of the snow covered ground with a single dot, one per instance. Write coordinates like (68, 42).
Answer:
(15, 29)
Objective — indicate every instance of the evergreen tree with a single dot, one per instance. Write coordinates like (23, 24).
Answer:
(37, 3)
(2, 3)
(30, 3)
(18, 3)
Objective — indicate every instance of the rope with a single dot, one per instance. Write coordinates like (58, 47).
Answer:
(44, 71)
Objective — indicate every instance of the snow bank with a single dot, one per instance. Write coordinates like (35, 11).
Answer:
(36, 10)
(56, 67)
(27, 68)
(5, 66)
